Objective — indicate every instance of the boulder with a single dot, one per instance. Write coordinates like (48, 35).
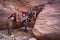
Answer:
(47, 25)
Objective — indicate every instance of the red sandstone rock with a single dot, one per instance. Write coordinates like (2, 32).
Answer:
(47, 25)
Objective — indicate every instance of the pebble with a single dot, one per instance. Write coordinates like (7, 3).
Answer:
(32, 39)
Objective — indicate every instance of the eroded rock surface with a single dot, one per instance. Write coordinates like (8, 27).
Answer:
(47, 26)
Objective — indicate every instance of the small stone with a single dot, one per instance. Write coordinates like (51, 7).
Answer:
(32, 39)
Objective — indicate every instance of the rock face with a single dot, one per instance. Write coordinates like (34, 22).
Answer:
(8, 7)
(47, 26)
(18, 6)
